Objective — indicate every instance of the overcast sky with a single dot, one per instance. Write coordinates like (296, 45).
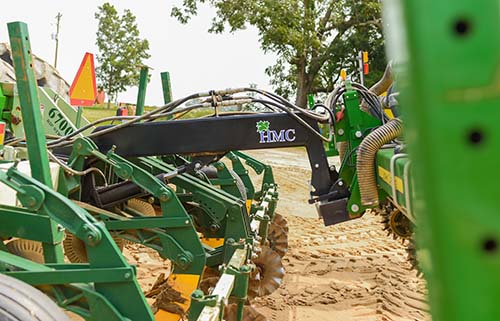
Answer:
(196, 60)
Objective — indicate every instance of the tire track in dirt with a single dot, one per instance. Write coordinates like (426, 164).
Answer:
(350, 271)
(346, 272)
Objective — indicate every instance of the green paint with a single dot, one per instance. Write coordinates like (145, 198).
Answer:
(30, 104)
(141, 95)
(167, 87)
(450, 98)
(32, 119)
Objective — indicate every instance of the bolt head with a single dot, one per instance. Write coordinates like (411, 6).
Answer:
(341, 183)
(164, 197)
(31, 201)
(245, 269)
(358, 134)
(340, 132)
(354, 207)
(197, 294)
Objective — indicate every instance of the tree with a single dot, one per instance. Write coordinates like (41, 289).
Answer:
(312, 38)
(121, 50)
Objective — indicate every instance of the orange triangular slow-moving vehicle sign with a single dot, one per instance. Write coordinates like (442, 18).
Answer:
(83, 90)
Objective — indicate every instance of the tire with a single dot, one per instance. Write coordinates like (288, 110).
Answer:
(20, 301)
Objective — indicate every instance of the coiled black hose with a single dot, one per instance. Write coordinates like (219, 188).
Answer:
(365, 163)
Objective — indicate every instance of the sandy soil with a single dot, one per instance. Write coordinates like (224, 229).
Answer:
(351, 271)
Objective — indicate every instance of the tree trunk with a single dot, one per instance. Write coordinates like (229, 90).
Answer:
(303, 87)
(302, 84)
(110, 96)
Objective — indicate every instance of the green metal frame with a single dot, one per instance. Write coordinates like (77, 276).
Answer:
(141, 95)
(113, 279)
(351, 129)
(175, 237)
(112, 292)
(215, 208)
(23, 66)
(232, 285)
(447, 62)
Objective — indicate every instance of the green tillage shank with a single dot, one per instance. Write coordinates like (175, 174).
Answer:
(32, 119)
(242, 172)
(449, 90)
(180, 242)
(384, 160)
(259, 168)
(225, 180)
(219, 208)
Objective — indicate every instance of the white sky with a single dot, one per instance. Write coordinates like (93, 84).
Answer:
(196, 60)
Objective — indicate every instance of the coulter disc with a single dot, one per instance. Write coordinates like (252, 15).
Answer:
(31, 250)
(280, 221)
(75, 250)
(142, 207)
(278, 239)
(269, 274)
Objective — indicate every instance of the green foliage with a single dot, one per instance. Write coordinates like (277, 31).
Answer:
(312, 38)
(121, 50)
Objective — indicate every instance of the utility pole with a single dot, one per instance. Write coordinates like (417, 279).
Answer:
(56, 38)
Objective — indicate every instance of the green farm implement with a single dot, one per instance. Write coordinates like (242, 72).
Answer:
(73, 193)
(78, 200)
(182, 187)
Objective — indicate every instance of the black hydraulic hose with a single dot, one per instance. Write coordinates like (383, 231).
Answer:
(288, 104)
(64, 140)
(365, 163)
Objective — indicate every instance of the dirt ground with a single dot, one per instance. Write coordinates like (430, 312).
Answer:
(351, 271)
(348, 272)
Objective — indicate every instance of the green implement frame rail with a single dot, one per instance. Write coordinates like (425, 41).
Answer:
(105, 288)
(448, 57)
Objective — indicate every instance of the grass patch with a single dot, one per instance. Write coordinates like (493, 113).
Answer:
(96, 113)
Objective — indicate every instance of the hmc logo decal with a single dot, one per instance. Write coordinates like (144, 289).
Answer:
(274, 136)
